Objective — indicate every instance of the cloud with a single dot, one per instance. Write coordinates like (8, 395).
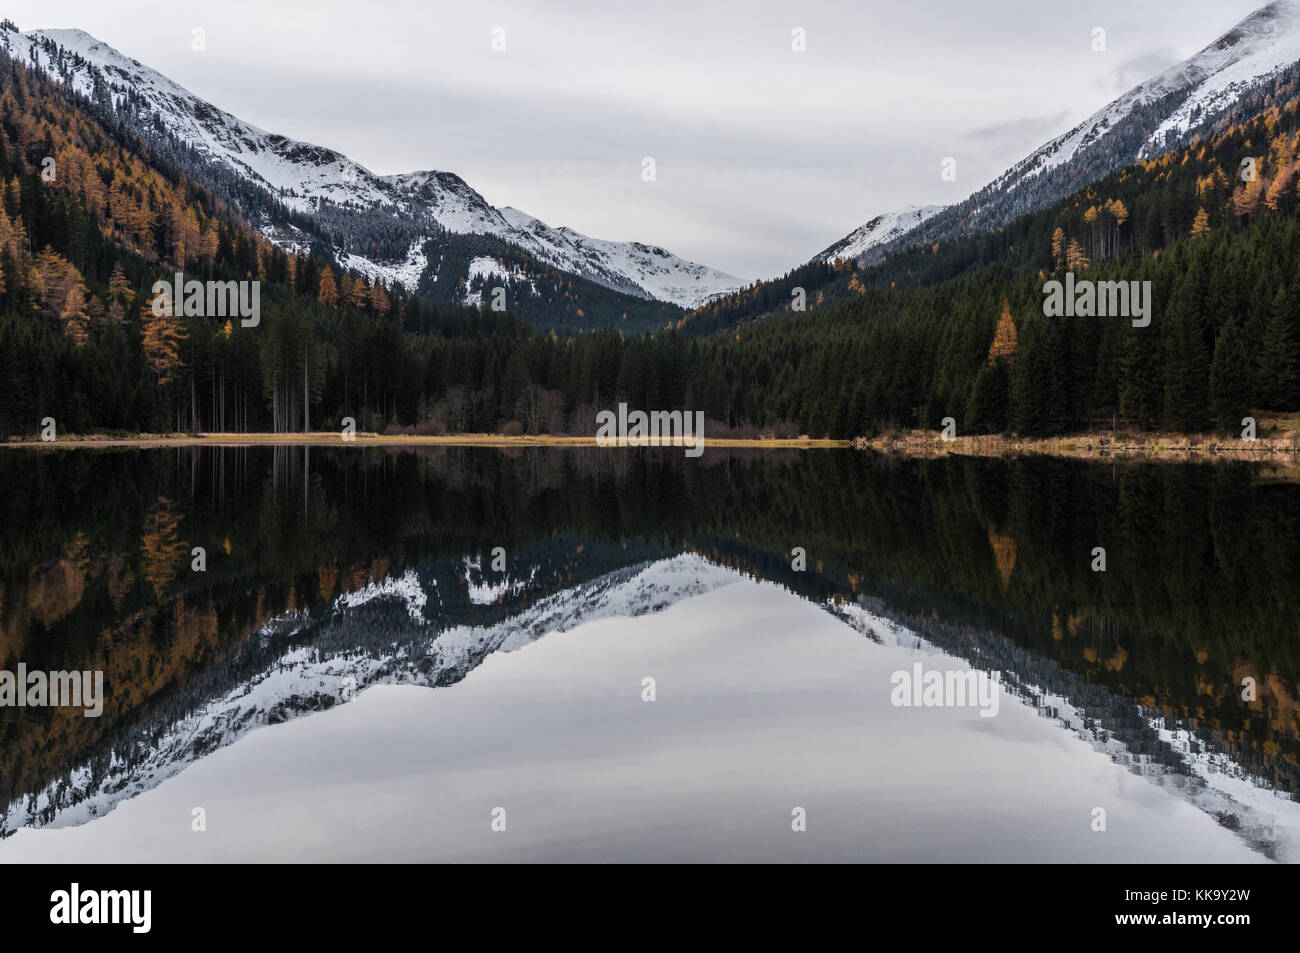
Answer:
(1028, 132)
(765, 155)
(1138, 69)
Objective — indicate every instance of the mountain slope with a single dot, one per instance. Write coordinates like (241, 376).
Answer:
(654, 271)
(311, 179)
(1163, 113)
(879, 231)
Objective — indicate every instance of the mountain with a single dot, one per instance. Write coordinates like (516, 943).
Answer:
(654, 271)
(879, 231)
(1163, 113)
(340, 195)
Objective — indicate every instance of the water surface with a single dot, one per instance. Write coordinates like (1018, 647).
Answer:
(387, 646)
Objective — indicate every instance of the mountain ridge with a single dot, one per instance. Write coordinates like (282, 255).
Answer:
(1161, 113)
(304, 177)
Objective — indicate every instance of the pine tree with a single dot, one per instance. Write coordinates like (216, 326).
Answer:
(1139, 378)
(74, 315)
(1230, 372)
(986, 411)
(1276, 372)
(1185, 361)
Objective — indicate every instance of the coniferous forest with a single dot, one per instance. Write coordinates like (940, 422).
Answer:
(949, 329)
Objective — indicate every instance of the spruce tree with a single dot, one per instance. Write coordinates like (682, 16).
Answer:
(1230, 378)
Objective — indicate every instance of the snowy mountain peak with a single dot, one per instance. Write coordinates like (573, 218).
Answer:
(1252, 51)
(878, 231)
(652, 271)
(302, 176)
(1160, 114)
(1256, 48)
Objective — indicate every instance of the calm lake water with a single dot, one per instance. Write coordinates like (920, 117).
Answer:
(585, 654)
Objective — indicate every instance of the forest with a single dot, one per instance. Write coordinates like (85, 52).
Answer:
(91, 216)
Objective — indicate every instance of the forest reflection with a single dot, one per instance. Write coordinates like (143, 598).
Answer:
(987, 558)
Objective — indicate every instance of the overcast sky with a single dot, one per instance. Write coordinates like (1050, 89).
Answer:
(764, 156)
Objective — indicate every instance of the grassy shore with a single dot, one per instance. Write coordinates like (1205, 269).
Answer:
(334, 438)
(1278, 439)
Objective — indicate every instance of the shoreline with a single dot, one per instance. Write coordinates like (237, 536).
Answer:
(1172, 447)
(1157, 446)
(333, 438)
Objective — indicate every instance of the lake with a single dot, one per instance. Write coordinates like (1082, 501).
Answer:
(583, 654)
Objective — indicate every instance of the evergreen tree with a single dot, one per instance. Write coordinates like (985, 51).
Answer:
(1230, 378)
(1276, 354)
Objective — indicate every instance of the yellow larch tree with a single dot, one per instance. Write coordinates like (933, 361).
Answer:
(1004, 338)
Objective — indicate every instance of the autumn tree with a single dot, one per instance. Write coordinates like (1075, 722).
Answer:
(1119, 213)
(1074, 256)
(1090, 217)
(1004, 338)
(161, 336)
(119, 289)
(74, 316)
(329, 291)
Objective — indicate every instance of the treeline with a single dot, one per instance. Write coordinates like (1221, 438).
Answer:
(763, 297)
(881, 349)
(1221, 344)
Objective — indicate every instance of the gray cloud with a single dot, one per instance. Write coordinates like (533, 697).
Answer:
(765, 155)
(1020, 135)
(1138, 68)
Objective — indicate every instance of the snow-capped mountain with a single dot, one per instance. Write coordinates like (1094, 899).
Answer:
(303, 176)
(1259, 46)
(655, 270)
(1163, 113)
(879, 231)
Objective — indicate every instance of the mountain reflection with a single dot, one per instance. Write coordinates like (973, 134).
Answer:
(329, 570)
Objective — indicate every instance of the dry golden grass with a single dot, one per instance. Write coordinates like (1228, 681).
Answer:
(1279, 443)
(334, 438)
(1276, 443)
